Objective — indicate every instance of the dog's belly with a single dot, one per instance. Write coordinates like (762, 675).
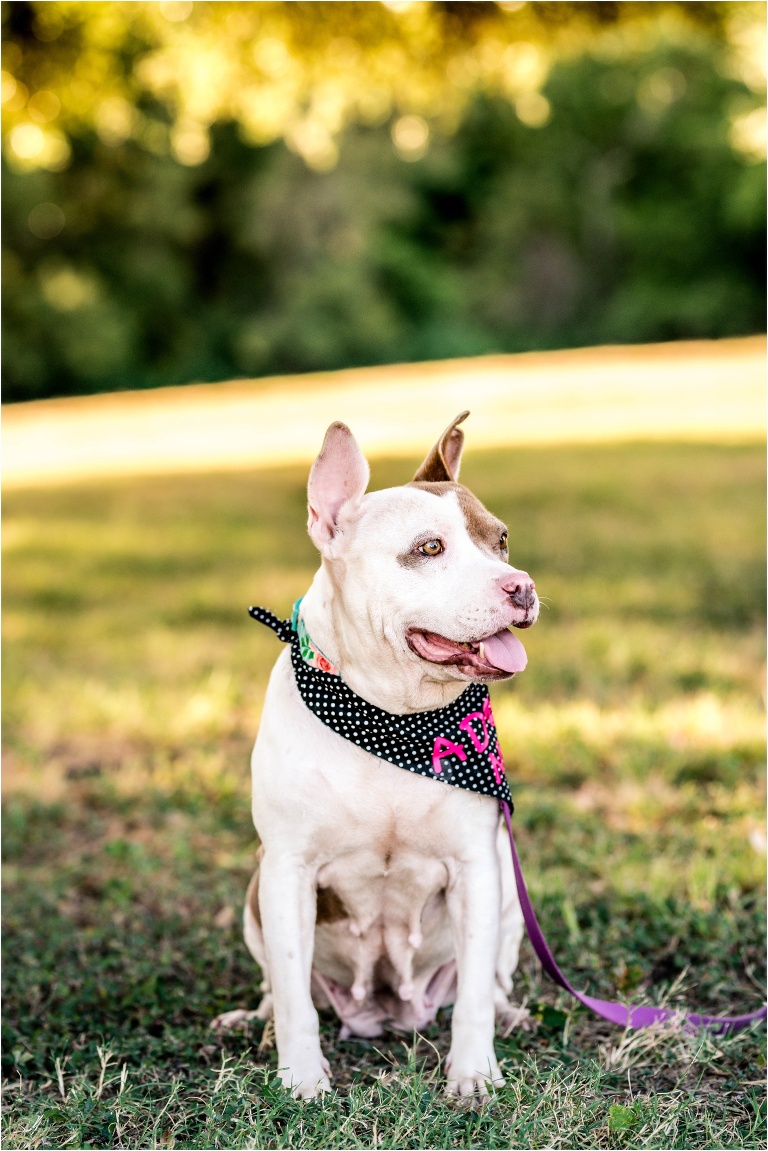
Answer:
(383, 945)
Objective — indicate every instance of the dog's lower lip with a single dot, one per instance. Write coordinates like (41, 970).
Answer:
(466, 663)
(523, 624)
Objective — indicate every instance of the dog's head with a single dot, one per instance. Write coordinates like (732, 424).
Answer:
(420, 574)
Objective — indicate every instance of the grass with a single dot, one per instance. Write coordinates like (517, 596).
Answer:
(635, 744)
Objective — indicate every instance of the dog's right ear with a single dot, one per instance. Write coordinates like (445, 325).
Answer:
(340, 473)
(444, 461)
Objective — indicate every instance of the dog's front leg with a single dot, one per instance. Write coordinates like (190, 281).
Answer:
(287, 903)
(474, 900)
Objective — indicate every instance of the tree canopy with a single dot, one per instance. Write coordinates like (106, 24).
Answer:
(198, 191)
(164, 73)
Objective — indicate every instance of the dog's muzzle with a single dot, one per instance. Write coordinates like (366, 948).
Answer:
(522, 594)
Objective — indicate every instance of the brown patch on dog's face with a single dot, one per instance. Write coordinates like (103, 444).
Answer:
(330, 908)
(483, 528)
(411, 560)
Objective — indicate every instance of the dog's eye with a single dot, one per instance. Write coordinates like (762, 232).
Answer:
(503, 541)
(431, 548)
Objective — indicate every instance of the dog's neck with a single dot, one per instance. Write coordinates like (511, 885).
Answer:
(372, 660)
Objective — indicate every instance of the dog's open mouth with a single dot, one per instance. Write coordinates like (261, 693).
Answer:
(496, 656)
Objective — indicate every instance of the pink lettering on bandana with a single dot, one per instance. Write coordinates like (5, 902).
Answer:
(442, 748)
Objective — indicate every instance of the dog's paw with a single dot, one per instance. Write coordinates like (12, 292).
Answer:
(309, 1082)
(473, 1079)
(236, 1020)
(513, 1017)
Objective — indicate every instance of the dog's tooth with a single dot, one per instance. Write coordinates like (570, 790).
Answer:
(481, 651)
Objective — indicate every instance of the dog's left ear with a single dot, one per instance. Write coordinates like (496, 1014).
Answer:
(444, 461)
(340, 473)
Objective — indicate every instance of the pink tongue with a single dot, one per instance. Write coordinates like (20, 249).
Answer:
(505, 651)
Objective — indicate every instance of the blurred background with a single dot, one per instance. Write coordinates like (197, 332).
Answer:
(212, 195)
(211, 190)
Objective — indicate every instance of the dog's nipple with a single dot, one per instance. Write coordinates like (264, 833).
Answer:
(405, 991)
(354, 929)
(415, 940)
(358, 992)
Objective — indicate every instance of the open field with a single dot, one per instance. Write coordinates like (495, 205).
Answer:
(635, 746)
(690, 390)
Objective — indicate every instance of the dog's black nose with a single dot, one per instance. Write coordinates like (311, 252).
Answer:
(521, 590)
(523, 596)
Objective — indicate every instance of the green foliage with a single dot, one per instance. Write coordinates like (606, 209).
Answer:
(635, 743)
(299, 70)
(622, 1118)
(627, 216)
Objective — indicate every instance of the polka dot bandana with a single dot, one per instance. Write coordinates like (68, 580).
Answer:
(456, 744)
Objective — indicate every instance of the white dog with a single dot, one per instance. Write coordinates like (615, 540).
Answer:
(378, 893)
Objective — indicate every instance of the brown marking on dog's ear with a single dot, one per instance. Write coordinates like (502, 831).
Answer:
(444, 460)
(330, 908)
(483, 528)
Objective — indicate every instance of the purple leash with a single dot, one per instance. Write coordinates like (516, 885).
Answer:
(623, 1016)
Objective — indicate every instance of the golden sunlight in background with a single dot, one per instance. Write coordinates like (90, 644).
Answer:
(706, 390)
(305, 75)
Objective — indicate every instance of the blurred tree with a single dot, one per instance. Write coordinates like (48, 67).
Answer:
(301, 70)
(603, 195)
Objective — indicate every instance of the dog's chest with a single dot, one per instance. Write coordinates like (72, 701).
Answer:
(381, 838)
